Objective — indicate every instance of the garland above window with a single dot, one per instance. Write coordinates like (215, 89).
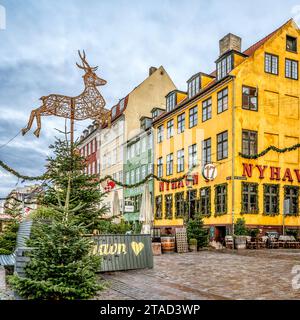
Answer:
(107, 177)
(273, 148)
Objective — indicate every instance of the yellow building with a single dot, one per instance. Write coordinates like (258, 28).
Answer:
(221, 128)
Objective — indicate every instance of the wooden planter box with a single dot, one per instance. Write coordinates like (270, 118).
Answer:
(156, 248)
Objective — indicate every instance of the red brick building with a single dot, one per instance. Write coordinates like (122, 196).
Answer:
(89, 147)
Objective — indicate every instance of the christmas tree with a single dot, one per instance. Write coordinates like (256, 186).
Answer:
(84, 189)
(195, 230)
(61, 264)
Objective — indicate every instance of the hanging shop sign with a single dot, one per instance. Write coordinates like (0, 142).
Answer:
(209, 172)
(123, 252)
(110, 185)
(273, 173)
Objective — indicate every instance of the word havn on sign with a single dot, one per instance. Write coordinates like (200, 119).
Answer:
(118, 248)
(123, 252)
(275, 173)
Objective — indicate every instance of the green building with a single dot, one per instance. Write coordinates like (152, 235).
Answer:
(137, 165)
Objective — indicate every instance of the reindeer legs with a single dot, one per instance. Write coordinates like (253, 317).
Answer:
(34, 114)
(30, 121)
(38, 122)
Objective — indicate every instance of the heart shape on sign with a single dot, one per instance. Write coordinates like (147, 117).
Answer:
(137, 247)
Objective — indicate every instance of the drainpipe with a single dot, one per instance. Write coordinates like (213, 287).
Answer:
(152, 130)
(233, 155)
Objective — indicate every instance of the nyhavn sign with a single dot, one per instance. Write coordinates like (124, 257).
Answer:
(272, 172)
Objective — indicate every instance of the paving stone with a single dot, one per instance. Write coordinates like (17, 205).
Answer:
(209, 275)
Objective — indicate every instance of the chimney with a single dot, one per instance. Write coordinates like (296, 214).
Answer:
(152, 70)
(230, 42)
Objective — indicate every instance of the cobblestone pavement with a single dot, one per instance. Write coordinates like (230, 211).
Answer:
(5, 293)
(209, 275)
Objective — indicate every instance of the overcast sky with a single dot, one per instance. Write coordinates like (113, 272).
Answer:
(38, 51)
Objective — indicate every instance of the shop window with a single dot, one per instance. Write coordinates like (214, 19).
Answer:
(249, 197)
(179, 204)
(271, 199)
(158, 207)
(291, 197)
(191, 201)
(168, 206)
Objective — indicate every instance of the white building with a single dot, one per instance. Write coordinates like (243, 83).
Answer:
(126, 124)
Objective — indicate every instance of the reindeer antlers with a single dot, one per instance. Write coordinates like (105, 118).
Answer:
(85, 66)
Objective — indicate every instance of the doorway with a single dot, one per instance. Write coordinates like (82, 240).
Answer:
(220, 233)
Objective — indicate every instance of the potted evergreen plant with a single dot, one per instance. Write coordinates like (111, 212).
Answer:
(240, 234)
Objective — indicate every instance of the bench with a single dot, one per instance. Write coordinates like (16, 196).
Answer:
(18, 255)
(288, 242)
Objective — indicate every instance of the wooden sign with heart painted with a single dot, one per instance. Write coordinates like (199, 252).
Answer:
(137, 247)
(123, 252)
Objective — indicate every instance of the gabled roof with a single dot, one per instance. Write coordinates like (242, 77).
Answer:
(250, 51)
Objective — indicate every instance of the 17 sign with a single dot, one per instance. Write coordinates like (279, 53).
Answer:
(209, 172)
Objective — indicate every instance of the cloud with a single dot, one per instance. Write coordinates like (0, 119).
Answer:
(39, 49)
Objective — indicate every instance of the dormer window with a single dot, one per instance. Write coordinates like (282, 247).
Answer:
(224, 66)
(114, 111)
(146, 123)
(291, 44)
(154, 113)
(171, 101)
(122, 103)
(193, 86)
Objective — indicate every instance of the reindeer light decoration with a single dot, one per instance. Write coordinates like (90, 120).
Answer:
(88, 105)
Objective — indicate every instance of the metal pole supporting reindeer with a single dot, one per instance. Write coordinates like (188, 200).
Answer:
(88, 105)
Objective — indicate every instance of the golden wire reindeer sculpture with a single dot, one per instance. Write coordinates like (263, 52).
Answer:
(88, 105)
